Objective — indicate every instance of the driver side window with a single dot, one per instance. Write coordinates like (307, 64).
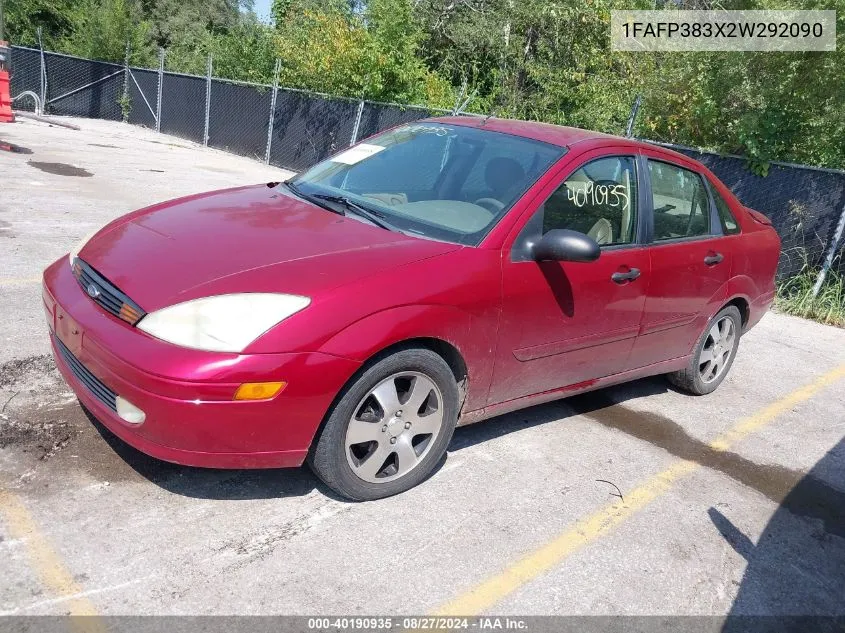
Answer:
(599, 199)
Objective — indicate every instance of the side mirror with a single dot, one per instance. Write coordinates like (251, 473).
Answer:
(563, 245)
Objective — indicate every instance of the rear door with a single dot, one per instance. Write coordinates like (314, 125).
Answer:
(690, 263)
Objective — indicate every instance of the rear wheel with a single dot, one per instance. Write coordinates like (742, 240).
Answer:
(390, 428)
(713, 356)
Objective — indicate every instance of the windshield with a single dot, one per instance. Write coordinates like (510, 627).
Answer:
(445, 182)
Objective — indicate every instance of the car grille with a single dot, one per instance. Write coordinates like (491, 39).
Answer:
(96, 386)
(106, 294)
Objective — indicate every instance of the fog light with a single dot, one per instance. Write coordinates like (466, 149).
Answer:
(259, 390)
(129, 411)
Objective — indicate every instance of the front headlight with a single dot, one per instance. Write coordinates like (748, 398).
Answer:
(74, 253)
(223, 323)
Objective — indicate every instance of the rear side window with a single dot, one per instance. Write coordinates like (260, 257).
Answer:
(729, 224)
(681, 204)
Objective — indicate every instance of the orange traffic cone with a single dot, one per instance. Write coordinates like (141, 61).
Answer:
(6, 114)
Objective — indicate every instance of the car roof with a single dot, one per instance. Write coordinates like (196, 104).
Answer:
(560, 135)
(554, 134)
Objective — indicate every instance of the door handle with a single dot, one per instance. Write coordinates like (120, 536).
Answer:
(711, 259)
(621, 278)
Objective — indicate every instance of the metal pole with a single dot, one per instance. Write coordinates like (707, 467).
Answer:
(629, 129)
(161, 53)
(207, 99)
(831, 254)
(124, 107)
(463, 106)
(357, 122)
(271, 122)
(43, 71)
(460, 97)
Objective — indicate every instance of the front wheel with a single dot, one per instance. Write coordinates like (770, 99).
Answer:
(713, 356)
(390, 427)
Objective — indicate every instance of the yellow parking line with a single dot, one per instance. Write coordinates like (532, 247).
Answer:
(45, 561)
(20, 281)
(761, 418)
(479, 599)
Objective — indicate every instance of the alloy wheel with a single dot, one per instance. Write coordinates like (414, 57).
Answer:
(394, 427)
(718, 349)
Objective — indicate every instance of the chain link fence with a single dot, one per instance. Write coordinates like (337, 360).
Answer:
(295, 129)
(286, 127)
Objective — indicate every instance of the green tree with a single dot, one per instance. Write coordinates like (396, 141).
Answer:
(533, 59)
(102, 28)
(370, 54)
(182, 22)
(281, 10)
(246, 52)
(767, 106)
(23, 17)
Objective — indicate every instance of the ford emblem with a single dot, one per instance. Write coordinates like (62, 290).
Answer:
(92, 291)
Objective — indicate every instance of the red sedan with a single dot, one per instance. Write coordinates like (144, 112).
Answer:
(435, 275)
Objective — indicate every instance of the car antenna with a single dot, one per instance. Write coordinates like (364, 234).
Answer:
(492, 114)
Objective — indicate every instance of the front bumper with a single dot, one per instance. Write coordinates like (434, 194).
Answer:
(186, 395)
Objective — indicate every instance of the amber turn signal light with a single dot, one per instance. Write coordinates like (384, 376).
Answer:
(259, 390)
(129, 314)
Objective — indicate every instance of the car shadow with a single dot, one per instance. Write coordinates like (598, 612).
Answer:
(559, 285)
(797, 566)
(226, 484)
(584, 404)
(213, 483)
(219, 483)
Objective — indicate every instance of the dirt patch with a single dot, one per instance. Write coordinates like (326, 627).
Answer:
(263, 542)
(40, 438)
(58, 431)
(20, 370)
(61, 169)
(169, 144)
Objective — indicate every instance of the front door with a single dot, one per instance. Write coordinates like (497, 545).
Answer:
(564, 323)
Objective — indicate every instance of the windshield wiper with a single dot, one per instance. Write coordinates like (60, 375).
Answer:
(376, 217)
(312, 199)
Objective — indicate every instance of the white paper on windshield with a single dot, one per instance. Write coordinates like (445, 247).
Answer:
(357, 154)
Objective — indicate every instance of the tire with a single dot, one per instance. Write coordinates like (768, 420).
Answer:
(403, 432)
(696, 377)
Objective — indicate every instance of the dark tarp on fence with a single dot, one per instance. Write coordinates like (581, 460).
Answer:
(239, 118)
(803, 204)
(26, 71)
(80, 87)
(308, 128)
(183, 107)
(377, 117)
(143, 97)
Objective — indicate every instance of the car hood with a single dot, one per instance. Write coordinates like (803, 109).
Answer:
(251, 239)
